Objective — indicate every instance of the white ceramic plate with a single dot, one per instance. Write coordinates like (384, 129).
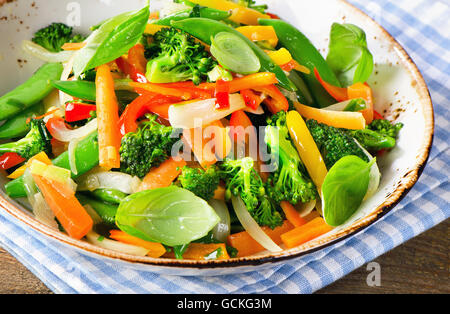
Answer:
(399, 90)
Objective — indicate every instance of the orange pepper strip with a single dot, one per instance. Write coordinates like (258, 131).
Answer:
(69, 212)
(360, 90)
(338, 93)
(73, 46)
(292, 215)
(164, 175)
(305, 233)
(277, 101)
(156, 249)
(137, 59)
(109, 138)
(162, 89)
(246, 245)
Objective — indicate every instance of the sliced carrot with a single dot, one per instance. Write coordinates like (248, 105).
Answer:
(202, 146)
(200, 251)
(246, 245)
(156, 249)
(68, 210)
(360, 90)
(109, 137)
(291, 214)
(164, 175)
(305, 233)
(73, 46)
(338, 119)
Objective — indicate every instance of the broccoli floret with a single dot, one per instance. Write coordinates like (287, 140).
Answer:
(289, 182)
(380, 134)
(37, 140)
(202, 183)
(175, 57)
(55, 35)
(243, 180)
(334, 143)
(146, 148)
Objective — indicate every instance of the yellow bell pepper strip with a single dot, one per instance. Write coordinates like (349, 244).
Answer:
(305, 233)
(42, 157)
(152, 29)
(109, 138)
(240, 14)
(73, 46)
(155, 249)
(338, 119)
(259, 33)
(360, 90)
(307, 148)
(283, 58)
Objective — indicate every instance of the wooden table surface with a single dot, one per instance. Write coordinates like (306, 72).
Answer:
(420, 265)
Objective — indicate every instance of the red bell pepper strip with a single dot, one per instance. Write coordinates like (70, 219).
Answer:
(222, 94)
(145, 103)
(9, 160)
(273, 16)
(377, 115)
(129, 69)
(338, 93)
(251, 99)
(78, 111)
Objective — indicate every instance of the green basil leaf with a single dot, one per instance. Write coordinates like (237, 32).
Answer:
(112, 39)
(172, 216)
(348, 54)
(344, 188)
(234, 54)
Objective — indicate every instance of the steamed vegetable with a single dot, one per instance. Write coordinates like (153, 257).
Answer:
(202, 183)
(54, 36)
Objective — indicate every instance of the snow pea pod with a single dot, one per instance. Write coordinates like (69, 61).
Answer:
(107, 212)
(36, 88)
(196, 11)
(303, 51)
(17, 126)
(86, 158)
(81, 89)
(205, 29)
(109, 195)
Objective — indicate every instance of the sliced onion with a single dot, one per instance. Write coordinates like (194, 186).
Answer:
(304, 209)
(109, 180)
(91, 212)
(222, 230)
(172, 8)
(63, 97)
(43, 212)
(117, 246)
(375, 174)
(252, 227)
(63, 134)
(203, 112)
(71, 151)
(45, 55)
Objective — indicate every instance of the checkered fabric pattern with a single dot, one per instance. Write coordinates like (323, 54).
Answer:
(421, 26)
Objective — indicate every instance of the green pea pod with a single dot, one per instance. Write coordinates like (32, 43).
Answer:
(86, 158)
(196, 11)
(81, 89)
(17, 126)
(205, 29)
(36, 88)
(107, 212)
(304, 52)
(109, 195)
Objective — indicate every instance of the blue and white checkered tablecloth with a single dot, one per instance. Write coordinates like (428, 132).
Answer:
(423, 28)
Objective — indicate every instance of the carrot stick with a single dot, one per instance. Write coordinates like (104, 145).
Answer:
(199, 251)
(68, 210)
(292, 215)
(164, 175)
(156, 249)
(246, 245)
(73, 46)
(162, 89)
(109, 137)
(305, 233)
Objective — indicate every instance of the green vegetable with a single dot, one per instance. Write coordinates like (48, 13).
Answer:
(111, 40)
(202, 183)
(304, 52)
(252, 5)
(289, 182)
(378, 135)
(36, 88)
(109, 195)
(354, 105)
(233, 53)
(303, 94)
(81, 89)
(55, 35)
(146, 148)
(37, 140)
(17, 126)
(348, 54)
(219, 73)
(344, 188)
(175, 57)
(334, 143)
(107, 212)
(86, 158)
(205, 29)
(195, 11)
(243, 180)
(172, 216)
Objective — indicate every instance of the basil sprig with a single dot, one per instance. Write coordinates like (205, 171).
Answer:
(112, 39)
(348, 56)
(344, 189)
